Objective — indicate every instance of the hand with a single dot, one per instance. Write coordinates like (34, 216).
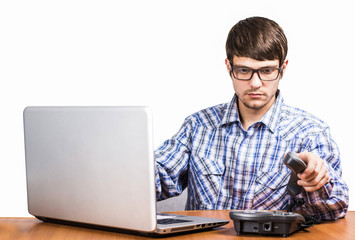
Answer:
(315, 175)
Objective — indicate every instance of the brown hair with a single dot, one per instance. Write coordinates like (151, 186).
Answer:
(258, 38)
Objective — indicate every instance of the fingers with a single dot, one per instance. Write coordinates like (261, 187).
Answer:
(316, 183)
(315, 166)
(315, 175)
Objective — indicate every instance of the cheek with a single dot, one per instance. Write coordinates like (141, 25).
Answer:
(239, 86)
(275, 85)
(236, 88)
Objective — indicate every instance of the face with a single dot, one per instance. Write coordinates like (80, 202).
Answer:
(255, 94)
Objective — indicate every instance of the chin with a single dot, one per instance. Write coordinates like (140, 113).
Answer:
(255, 104)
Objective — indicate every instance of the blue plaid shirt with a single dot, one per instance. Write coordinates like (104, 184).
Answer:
(227, 167)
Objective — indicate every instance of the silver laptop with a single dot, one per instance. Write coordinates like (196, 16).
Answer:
(94, 166)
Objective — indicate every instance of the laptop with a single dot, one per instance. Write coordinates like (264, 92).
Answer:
(94, 167)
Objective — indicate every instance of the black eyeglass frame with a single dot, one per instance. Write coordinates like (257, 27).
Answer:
(255, 71)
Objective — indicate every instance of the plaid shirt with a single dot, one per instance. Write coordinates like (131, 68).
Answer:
(227, 167)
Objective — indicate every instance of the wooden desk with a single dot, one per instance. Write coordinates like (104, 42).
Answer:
(33, 229)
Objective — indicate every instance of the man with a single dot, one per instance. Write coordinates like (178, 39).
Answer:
(230, 155)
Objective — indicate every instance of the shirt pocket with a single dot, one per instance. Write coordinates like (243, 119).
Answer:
(270, 190)
(208, 166)
(206, 178)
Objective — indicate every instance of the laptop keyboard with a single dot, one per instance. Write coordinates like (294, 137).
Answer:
(171, 221)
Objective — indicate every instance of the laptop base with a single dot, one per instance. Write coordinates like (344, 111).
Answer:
(125, 231)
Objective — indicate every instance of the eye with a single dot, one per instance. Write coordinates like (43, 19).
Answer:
(267, 70)
(243, 70)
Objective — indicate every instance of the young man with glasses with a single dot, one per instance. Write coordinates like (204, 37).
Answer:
(230, 155)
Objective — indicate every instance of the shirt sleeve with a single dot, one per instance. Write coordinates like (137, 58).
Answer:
(331, 201)
(171, 160)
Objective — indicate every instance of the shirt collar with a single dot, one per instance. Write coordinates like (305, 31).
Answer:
(270, 118)
(231, 114)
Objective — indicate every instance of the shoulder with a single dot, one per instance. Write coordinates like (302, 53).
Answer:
(296, 119)
(208, 117)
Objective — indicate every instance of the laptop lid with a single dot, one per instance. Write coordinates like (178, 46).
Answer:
(94, 166)
(91, 165)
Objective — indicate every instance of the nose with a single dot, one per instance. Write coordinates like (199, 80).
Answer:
(255, 82)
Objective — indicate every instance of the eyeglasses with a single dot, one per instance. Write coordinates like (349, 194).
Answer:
(265, 74)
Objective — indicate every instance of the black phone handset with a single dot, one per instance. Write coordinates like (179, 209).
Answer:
(293, 162)
(297, 165)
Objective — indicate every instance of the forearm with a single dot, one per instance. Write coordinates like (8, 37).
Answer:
(329, 202)
(167, 186)
(171, 163)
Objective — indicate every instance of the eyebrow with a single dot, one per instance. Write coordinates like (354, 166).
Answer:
(243, 66)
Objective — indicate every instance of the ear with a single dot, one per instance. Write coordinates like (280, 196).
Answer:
(228, 65)
(284, 65)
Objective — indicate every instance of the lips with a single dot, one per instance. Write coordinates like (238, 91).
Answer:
(255, 95)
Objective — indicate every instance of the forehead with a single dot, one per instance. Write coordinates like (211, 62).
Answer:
(252, 63)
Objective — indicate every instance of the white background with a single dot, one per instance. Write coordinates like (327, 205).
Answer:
(165, 54)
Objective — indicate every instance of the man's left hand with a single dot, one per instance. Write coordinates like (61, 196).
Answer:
(315, 175)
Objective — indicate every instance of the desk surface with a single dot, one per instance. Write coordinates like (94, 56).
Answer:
(31, 228)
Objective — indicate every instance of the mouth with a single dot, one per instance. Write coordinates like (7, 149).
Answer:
(255, 95)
